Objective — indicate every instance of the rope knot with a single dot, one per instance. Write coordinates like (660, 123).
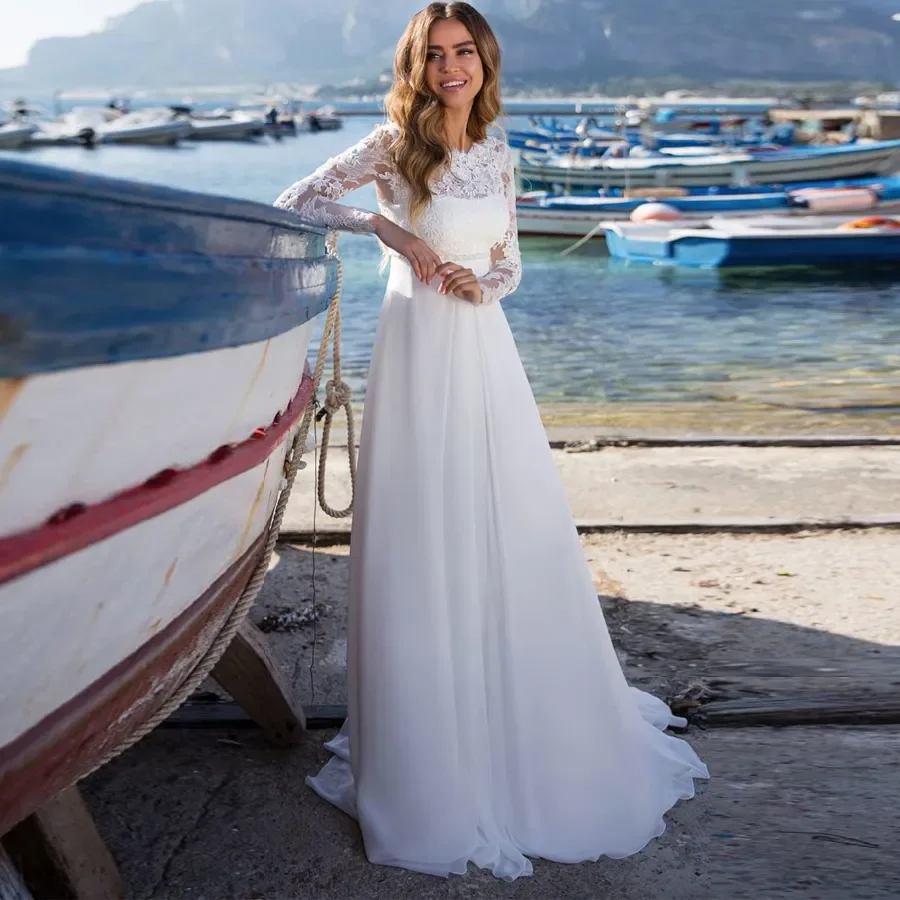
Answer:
(337, 395)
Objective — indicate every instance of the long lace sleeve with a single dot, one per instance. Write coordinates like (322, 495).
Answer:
(315, 196)
(506, 263)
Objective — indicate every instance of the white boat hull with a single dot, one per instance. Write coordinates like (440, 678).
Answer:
(12, 136)
(159, 134)
(585, 175)
(226, 130)
(536, 222)
(142, 447)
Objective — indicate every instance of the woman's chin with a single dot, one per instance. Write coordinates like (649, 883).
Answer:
(456, 101)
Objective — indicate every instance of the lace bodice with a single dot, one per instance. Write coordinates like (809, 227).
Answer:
(455, 227)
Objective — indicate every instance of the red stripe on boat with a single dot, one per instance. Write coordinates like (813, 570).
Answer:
(79, 526)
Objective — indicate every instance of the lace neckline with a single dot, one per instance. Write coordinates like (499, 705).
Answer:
(475, 146)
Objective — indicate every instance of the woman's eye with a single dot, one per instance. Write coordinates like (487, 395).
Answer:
(433, 56)
(465, 52)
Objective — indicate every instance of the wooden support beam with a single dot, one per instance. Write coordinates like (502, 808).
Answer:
(808, 709)
(11, 885)
(249, 672)
(221, 714)
(60, 853)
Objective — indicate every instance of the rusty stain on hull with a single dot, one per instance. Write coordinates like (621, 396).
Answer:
(10, 463)
(10, 388)
(252, 384)
(248, 524)
(170, 572)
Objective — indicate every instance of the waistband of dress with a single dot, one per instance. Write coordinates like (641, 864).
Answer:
(401, 277)
(459, 258)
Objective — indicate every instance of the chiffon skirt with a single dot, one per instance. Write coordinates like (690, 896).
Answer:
(489, 720)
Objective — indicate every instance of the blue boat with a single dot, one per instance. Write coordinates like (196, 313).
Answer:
(759, 242)
(153, 376)
(576, 216)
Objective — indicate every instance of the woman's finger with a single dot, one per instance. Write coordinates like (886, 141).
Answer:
(432, 262)
(446, 269)
(424, 265)
(457, 279)
(467, 291)
(450, 275)
(435, 263)
(414, 262)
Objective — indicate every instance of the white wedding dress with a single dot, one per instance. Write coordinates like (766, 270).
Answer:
(489, 718)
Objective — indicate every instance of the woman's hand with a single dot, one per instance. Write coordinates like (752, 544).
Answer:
(460, 282)
(421, 257)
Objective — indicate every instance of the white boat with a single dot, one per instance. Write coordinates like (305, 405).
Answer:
(574, 173)
(62, 133)
(324, 119)
(14, 135)
(227, 126)
(152, 377)
(577, 216)
(49, 130)
(151, 126)
(145, 126)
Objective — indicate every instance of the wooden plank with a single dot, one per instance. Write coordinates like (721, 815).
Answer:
(61, 855)
(249, 672)
(801, 678)
(885, 667)
(221, 714)
(811, 709)
(11, 885)
(338, 537)
(812, 441)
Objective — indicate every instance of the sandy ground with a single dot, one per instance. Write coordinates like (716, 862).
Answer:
(799, 813)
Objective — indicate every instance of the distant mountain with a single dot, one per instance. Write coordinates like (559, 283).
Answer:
(167, 42)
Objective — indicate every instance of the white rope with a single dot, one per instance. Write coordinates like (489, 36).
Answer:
(598, 227)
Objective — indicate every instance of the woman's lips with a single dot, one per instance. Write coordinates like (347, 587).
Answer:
(453, 84)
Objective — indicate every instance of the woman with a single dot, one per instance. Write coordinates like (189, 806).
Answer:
(489, 719)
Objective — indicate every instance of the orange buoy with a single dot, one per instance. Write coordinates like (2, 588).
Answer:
(870, 222)
(656, 212)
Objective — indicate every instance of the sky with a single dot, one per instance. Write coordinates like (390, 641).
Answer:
(25, 21)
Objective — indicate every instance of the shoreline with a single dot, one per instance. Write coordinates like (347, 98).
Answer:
(581, 421)
(717, 419)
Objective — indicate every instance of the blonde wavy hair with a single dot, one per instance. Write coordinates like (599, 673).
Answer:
(420, 151)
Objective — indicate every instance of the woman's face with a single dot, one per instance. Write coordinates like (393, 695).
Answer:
(453, 72)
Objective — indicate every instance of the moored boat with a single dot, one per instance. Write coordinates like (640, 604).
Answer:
(227, 126)
(152, 377)
(15, 134)
(547, 215)
(153, 127)
(829, 241)
(579, 174)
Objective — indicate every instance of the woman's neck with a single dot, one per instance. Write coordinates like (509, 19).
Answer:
(456, 129)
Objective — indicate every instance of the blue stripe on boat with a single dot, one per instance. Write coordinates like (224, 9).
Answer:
(98, 270)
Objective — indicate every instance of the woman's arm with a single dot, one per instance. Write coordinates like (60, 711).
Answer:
(314, 197)
(506, 262)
